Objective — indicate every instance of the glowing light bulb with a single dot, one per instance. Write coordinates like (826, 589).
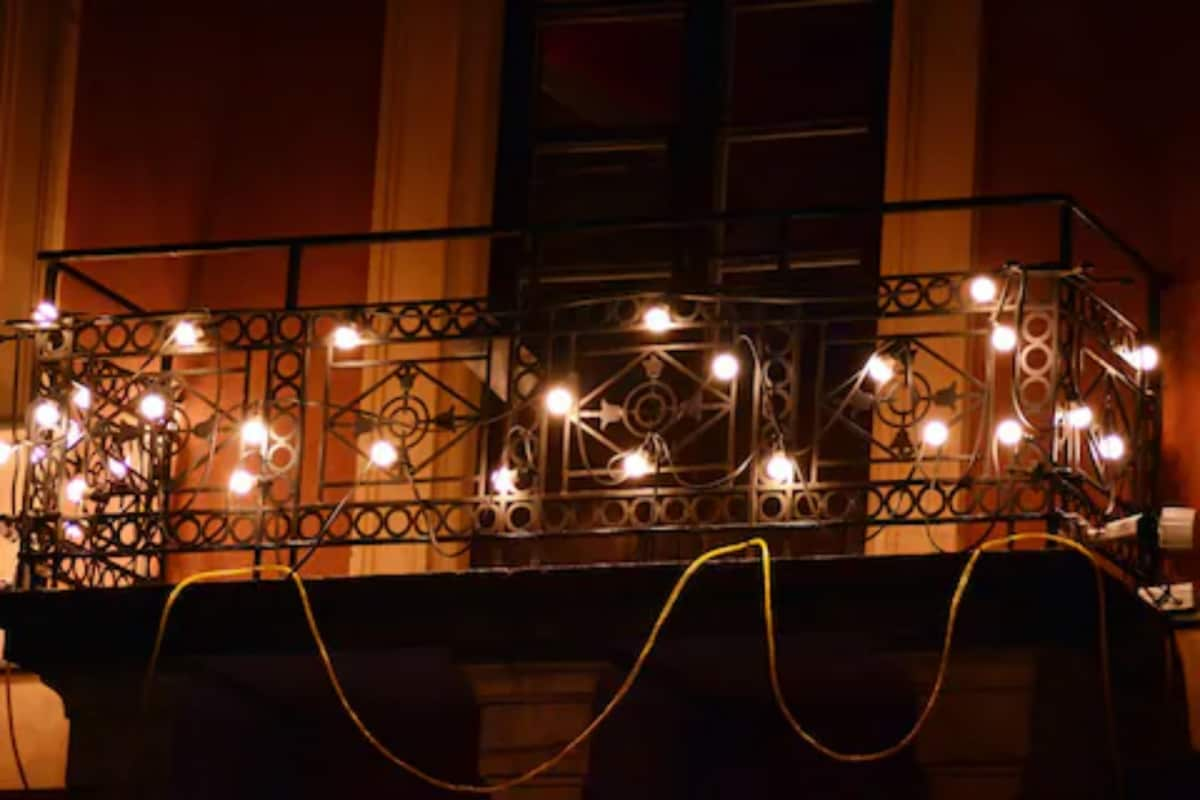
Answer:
(780, 467)
(186, 334)
(504, 480)
(1143, 358)
(383, 454)
(559, 400)
(241, 481)
(725, 366)
(73, 532)
(82, 397)
(657, 319)
(46, 313)
(6, 451)
(38, 454)
(254, 432)
(880, 369)
(47, 414)
(1111, 447)
(76, 489)
(153, 406)
(346, 337)
(1004, 338)
(74, 434)
(935, 433)
(117, 468)
(1009, 432)
(983, 289)
(1079, 416)
(635, 464)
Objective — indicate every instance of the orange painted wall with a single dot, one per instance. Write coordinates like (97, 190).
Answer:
(217, 119)
(1094, 98)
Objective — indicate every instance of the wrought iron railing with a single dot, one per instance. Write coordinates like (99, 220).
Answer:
(947, 404)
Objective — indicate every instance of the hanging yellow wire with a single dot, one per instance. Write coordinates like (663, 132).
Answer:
(757, 544)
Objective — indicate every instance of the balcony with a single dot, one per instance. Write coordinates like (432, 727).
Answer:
(563, 424)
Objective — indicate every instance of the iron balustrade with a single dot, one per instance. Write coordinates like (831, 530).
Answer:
(821, 438)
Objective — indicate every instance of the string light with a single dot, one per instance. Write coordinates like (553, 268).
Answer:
(504, 480)
(1144, 358)
(81, 398)
(1079, 417)
(153, 406)
(657, 319)
(6, 451)
(74, 434)
(935, 433)
(1111, 447)
(241, 481)
(346, 337)
(636, 464)
(383, 454)
(46, 313)
(725, 367)
(254, 432)
(559, 401)
(880, 369)
(186, 334)
(1004, 338)
(76, 489)
(47, 414)
(983, 289)
(117, 468)
(780, 467)
(73, 532)
(1009, 432)
(38, 454)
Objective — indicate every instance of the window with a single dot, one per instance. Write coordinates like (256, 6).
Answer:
(672, 109)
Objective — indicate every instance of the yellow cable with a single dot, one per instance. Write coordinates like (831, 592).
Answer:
(772, 657)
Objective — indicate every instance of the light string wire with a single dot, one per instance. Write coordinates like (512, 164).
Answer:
(757, 544)
(12, 726)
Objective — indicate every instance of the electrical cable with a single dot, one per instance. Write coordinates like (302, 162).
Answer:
(764, 557)
(12, 726)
